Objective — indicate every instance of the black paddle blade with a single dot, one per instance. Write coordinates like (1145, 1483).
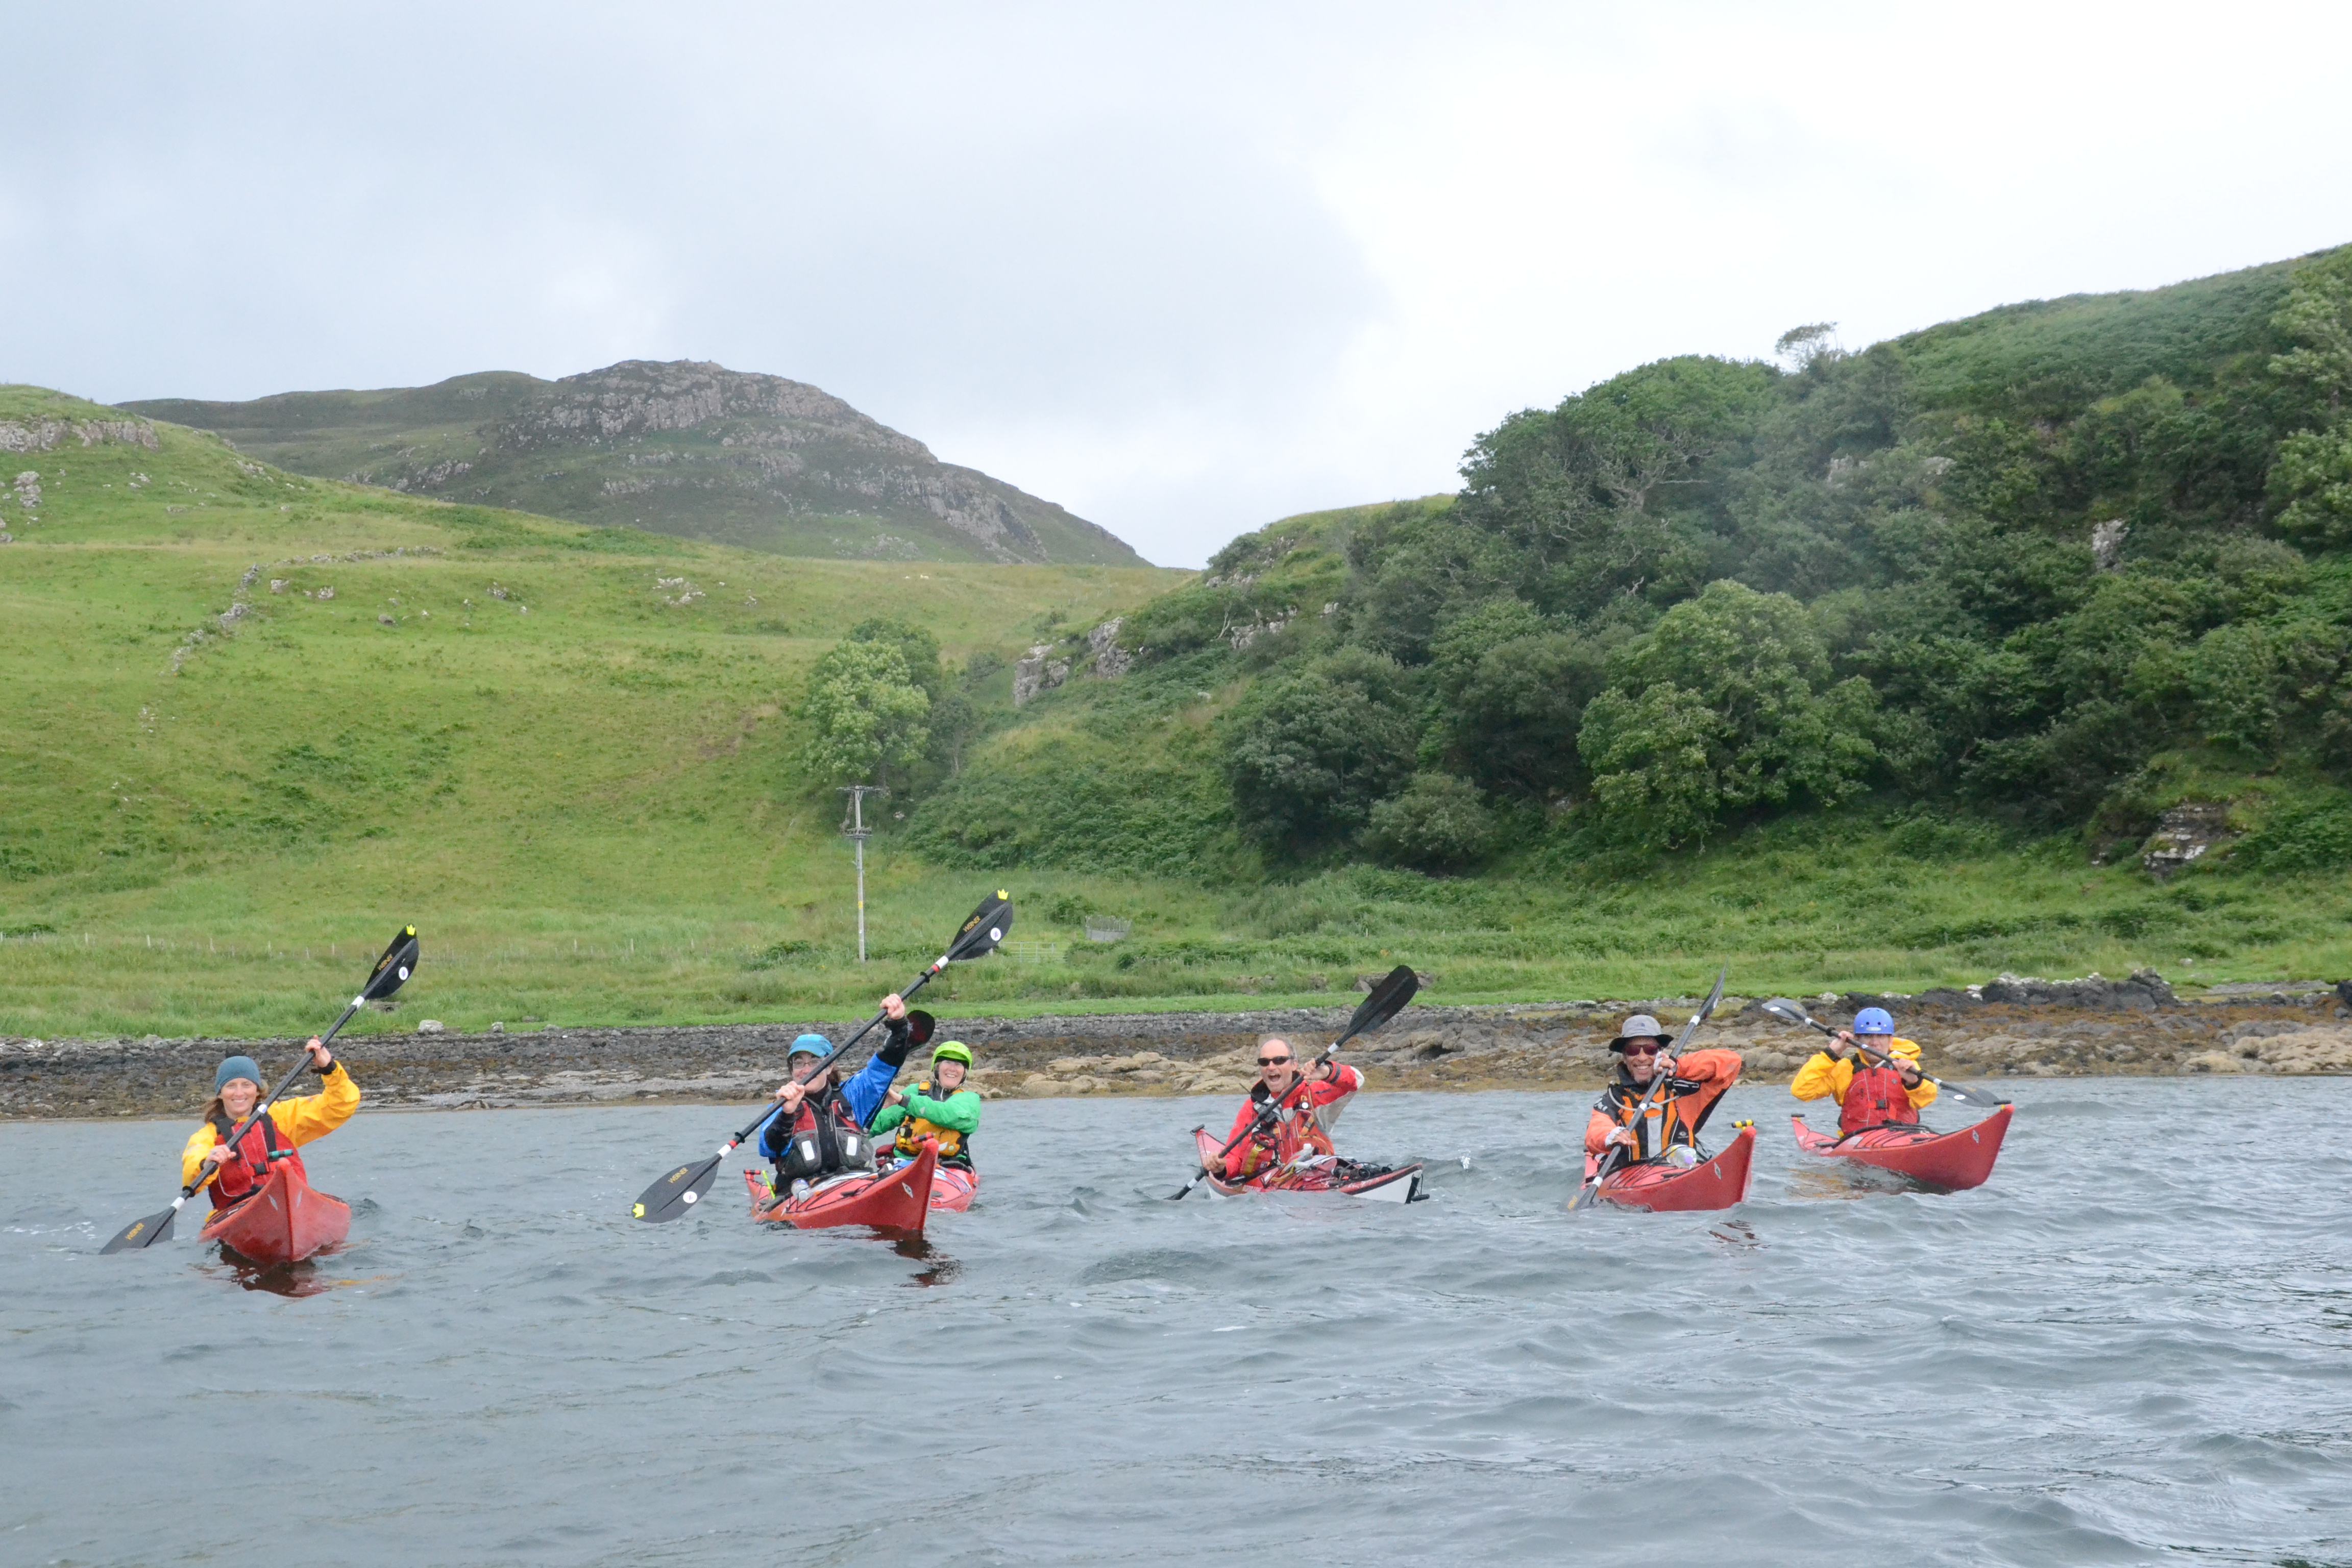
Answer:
(985, 929)
(392, 970)
(1788, 1012)
(141, 1233)
(1386, 1000)
(1967, 1096)
(920, 1026)
(676, 1193)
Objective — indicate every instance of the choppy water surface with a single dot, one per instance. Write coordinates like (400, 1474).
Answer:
(2131, 1346)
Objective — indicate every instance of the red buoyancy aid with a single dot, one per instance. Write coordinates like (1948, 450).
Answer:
(1874, 1098)
(1297, 1129)
(247, 1166)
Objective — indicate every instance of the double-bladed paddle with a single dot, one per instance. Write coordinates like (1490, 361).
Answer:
(1617, 1154)
(676, 1192)
(1386, 1000)
(1788, 1012)
(391, 972)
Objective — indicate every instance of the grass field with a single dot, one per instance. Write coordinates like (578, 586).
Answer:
(583, 793)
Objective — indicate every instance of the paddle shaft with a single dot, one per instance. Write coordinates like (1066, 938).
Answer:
(762, 1119)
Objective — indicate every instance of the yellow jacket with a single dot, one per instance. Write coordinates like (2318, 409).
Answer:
(298, 1120)
(1826, 1076)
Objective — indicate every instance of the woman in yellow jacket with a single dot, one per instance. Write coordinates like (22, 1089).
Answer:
(1869, 1093)
(236, 1172)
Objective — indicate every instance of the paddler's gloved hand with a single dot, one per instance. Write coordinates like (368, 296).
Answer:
(894, 1020)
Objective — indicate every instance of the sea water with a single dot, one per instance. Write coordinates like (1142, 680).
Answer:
(2134, 1344)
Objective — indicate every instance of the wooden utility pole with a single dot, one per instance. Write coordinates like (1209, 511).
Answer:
(858, 833)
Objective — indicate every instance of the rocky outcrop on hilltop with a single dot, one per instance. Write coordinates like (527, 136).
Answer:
(685, 447)
(642, 397)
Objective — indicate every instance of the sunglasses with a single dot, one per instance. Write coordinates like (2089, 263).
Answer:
(1651, 1050)
(1274, 1061)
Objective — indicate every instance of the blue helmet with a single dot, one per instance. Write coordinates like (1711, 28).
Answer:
(1873, 1021)
(820, 1047)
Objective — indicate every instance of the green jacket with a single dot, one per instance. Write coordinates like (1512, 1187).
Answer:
(952, 1120)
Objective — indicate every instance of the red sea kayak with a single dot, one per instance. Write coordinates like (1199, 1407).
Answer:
(1345, 1178)
(285, 1222)
(1952, 1160)
(1715, 1184)
(898, 1199)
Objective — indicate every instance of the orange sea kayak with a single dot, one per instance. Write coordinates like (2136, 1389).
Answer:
(1952, 1160)
(1715, 1184)
(898, 1199)
(286, 1221)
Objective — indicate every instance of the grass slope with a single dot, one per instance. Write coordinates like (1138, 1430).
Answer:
(692, 450)
(565, 752)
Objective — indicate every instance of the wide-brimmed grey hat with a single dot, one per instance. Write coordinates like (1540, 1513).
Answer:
(1639, 1026)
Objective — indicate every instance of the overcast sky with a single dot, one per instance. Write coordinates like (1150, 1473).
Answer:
(1184, 269)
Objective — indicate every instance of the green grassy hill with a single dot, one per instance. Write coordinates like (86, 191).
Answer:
(1881, 672)
(1874, 673)
(696, 450)
(254, 719)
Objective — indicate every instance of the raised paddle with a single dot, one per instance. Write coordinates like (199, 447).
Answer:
(674, 1193)
(1616, 1154)
(391, 972)
(1788, 1012)
(1386, 1000)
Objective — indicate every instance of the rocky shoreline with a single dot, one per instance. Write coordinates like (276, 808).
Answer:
(2007, 1027)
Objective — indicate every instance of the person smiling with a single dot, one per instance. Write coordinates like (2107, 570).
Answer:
(236, 1174)
(1305, 1103)
(941, 1108)
(1672, 1119)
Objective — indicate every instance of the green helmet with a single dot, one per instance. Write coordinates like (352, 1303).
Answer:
(953, 1051)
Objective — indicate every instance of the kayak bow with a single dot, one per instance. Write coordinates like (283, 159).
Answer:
(1954, 1161)
(1342, 1178)
(898, 1199)
(286, 1221)
(1715, 1184)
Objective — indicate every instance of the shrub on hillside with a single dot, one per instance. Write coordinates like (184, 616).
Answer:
(2315, 835)
(1437, 822)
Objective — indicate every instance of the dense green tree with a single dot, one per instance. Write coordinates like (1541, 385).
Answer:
(865, 714)
(1727, 705)
(1308, 751)
(1511, 687)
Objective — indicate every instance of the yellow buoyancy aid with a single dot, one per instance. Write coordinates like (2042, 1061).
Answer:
(914, 1128)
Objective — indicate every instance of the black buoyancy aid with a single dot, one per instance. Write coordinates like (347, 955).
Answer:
(1874, 1097)
(247, 1166)
(825, 1138)
(1662, 1125)
(955, 1149)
